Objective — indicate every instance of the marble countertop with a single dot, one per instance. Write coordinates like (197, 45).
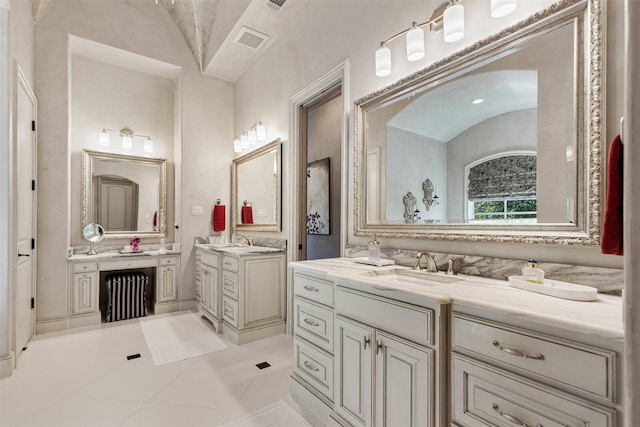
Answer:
(116, 254)
(602, 317)
(234, 249)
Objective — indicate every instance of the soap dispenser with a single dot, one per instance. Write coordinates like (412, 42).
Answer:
(532, 274)
(374, 249)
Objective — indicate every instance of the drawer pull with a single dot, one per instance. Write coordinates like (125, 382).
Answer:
(228, 311)
(515, 420)
(311, 322)
(379, 347)
(367, 341)
(518, 353)
(227, 264)
(310, 366)
(311, 288)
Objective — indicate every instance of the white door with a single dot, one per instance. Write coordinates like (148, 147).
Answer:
(404, 383)
(25, 143)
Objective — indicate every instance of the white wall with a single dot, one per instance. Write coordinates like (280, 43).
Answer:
(333, 31)
(203, 128)
(107, 96)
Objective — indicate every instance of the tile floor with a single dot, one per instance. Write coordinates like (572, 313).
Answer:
(83, 378)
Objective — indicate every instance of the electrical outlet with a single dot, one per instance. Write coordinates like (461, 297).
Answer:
(197, 210)
(262, 213)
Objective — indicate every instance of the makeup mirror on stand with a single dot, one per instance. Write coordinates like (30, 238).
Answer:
(93, 233)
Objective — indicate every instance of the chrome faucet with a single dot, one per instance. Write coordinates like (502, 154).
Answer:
(246, 239)
(432, 267)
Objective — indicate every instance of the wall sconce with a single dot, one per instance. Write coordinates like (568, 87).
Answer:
(448, 18)
(250, 139)
(430, 197)
(127, 136)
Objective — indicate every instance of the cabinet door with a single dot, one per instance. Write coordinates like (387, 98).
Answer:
(354, 371)
(166, 284)
(84, 293)
(404, 383)
(210, 289)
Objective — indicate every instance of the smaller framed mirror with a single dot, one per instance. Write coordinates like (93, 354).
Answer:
(256, 190)
(125, 194)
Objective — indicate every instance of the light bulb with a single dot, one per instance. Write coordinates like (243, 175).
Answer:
(127, 142)
(261, 132)
(500, 8)
(383, 61)
(148, 146)
(415, 43)
(104, 139)
(237, 146)
(244, 140)
(253, 137)
(453, 22)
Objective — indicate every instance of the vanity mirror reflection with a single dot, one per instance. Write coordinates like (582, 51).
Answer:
(125, 194)
(498, 142)
(256, 189)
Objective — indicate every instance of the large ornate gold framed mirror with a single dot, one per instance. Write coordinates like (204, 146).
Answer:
(499, 142)
(125, 194)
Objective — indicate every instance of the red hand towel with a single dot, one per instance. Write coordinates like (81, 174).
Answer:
(247, 215)
(218, 218)
(155, 221)
(612, 228)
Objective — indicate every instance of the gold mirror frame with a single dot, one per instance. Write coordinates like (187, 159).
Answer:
(273, 145)
(87, 170)
(589, 123)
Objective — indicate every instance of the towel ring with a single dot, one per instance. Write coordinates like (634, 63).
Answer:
(218, 201)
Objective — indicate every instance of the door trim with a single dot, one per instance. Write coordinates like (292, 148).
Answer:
(337, 76)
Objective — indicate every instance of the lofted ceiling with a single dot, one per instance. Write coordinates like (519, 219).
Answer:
(225, 37)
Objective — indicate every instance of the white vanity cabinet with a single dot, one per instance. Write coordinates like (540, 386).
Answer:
(253, 295)
(210, 298)
(388, 369)
(505, 375)
(85, 271)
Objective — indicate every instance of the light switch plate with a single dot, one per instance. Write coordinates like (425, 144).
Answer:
(197, 210)
(262, 213)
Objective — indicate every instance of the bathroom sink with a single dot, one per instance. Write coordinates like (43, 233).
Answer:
(414, 277)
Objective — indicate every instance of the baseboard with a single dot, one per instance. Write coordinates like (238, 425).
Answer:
(54, 325)
(306, 398)
(6, 365)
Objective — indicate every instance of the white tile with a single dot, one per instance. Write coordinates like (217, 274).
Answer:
(155, 415)
(19, 409)
(81, 412)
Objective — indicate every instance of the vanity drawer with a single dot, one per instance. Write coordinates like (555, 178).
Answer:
(412, 322)
(314, 323)
(486, 396)
(230, 311)
(575, 366)
(137, 262)
(167, 260)
(314, 366)
(230, 263)
(210, 259)
(314, 289)
(81, 267)
(230, 284)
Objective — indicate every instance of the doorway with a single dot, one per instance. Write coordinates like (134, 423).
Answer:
(321, 193)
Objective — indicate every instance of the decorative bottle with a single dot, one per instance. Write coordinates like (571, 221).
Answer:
(532, 274)
(374, 249)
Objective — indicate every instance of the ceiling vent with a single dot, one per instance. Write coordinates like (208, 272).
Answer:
(250, 38)
(275, 5)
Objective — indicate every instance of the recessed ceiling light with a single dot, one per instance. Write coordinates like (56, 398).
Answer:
(477, 101)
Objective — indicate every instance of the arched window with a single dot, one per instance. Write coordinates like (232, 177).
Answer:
(502, 188)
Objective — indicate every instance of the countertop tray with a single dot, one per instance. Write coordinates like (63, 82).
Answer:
(556, 288)
(381, 262)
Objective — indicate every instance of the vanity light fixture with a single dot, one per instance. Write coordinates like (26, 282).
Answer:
(500, 8)
(448, 18)
(250, 139)
(127, 137)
